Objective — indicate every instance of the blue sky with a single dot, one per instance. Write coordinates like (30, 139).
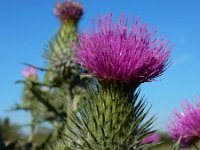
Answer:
(26, 27)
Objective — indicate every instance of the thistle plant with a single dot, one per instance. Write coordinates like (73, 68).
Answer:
(69, 14)
(29, 100)
(49, 100)
(185, 125)
(114, 117)
(63, 73)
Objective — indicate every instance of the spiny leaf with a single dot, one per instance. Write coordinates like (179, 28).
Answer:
(176, 146)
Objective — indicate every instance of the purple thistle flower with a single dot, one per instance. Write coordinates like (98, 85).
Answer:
(186, 124)
(68, 11)
(113, 53)
(29, 72)
(154, 138)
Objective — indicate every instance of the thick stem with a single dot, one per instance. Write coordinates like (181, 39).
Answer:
(123, 90)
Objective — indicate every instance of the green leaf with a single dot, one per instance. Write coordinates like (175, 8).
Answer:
(176, 146)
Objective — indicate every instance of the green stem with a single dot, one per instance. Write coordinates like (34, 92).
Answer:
(196, 146)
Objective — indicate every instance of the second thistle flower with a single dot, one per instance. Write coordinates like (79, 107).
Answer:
(68, 11)
(29, 72)
(185, 125)
(113, 53)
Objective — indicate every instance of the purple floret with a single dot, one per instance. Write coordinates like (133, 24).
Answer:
(113, 53)
(154, 138)
(29, 72)
(186, 124)
(68, 11)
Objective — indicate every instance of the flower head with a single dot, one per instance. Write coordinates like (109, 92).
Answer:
(185, 125)
(154, 138)
(68, 11)
(114, 53)
(29, 72)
